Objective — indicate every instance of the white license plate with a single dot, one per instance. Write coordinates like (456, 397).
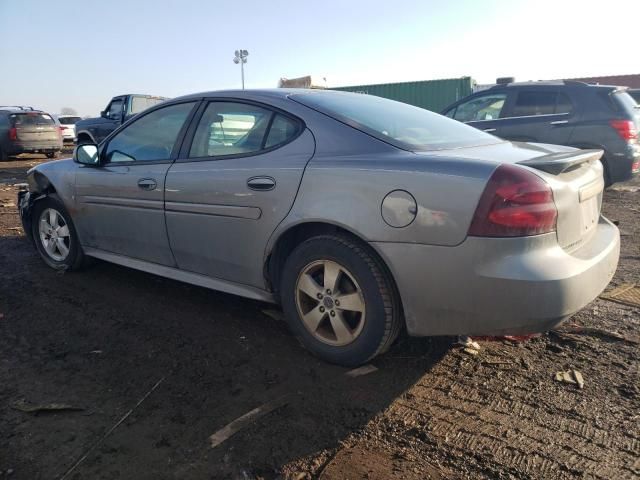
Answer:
(590, 214)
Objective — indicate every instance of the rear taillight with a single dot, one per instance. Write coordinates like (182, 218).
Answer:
(60, 130)
(13, 134)
(514, 203)
(626, 129)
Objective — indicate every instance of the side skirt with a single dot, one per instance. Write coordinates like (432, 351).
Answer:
(182, 276)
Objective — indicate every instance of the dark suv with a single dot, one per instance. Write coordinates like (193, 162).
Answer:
(26, 130)
(564, 113)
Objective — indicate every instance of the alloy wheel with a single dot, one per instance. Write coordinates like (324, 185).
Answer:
(330, 302)
(54, 234)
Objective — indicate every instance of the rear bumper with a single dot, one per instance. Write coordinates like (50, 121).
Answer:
(624, 166)
(18, 148)
(498, 286)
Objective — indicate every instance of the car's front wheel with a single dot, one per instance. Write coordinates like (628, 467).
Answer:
(55, 236)
(339, 301)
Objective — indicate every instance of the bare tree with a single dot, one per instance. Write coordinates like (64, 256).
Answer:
(68, 111)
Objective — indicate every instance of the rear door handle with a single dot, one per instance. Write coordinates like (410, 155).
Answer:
(559, 122)
(147, 184)
(261, 184)
(489, 130)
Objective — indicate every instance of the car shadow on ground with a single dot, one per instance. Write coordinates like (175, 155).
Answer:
(102, 338)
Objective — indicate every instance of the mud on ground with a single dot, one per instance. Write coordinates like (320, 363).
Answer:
(101, 339)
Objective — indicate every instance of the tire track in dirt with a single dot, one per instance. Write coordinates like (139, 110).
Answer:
(517, 434)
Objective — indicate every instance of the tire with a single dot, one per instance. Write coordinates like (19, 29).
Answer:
(361, 281)
(51, 154)
(83, 140)
(56, 257)
(3, 156)
(606, 174)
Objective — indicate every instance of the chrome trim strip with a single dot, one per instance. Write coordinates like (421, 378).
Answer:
(250, 213)
(122, 202)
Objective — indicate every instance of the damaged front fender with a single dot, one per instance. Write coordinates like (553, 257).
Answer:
(26, 201)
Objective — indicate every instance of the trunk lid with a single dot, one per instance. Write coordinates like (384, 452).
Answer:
(35, 128)
(575, 177)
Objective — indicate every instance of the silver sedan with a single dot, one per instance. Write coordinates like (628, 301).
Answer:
(361, 216)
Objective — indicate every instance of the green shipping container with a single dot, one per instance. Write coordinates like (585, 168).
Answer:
(433, 95)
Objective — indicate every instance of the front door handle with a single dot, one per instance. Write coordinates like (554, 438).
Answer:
(559, 122)
(261, 184)
(147, 184)
(489, 130)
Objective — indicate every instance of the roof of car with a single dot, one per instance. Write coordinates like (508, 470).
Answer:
(263, 92)
(557, 83)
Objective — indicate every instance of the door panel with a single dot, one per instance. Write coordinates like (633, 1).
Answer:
(218, 222)
(121, 204)
(117, 215)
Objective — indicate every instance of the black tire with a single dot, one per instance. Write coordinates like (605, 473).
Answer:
(383, 320)
(51, 154)
(606, 174)
(3, 155)
(75, 258)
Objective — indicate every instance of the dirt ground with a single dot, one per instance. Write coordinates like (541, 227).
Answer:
(188, 361)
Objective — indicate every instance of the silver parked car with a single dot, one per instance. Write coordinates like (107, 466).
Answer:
(360, 215)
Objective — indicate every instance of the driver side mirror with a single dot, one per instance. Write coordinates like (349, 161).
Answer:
(104, 114)
(86, 154)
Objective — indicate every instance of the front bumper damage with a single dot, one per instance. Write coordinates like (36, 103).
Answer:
(26, 200)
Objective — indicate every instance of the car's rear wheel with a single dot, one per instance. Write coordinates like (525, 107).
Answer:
(339, 301)
(55, 236)
(51, 154)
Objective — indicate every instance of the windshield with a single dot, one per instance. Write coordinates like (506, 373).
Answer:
(68, 120)
(401, 125)
(29, 119)
(138, 104)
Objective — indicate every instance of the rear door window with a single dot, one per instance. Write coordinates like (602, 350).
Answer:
(481, 108)
(530, 103)
(228, 128)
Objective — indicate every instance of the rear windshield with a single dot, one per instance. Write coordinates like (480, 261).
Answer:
(68, 120)
(29, 119)
(138, 104)
(624, 102)
(401, 125)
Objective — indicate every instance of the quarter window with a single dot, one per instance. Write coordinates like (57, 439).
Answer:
(485, 107)
(151, 137)
(282, 130)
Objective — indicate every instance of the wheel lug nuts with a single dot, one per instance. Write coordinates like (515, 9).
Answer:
(328, 291)
(333, 314)
(319, 296)
(338, 303)
(322, 309)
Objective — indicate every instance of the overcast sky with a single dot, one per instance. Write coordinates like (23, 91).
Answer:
(79, 54)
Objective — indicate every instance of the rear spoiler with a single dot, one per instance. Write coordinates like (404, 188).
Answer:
(556, 163)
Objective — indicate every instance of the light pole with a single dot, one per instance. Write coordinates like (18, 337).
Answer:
(241, 58)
